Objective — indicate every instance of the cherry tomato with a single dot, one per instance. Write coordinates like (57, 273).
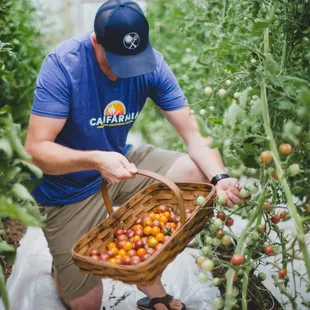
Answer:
(221, 199)
(275, 218)
(293, 170)
(150, 251)
(126, 260)
(138, 221)
(113, 261)
(283, 215)
(266, 157)
(166, 238)
(94, 252)
(141, 252)
(221, 215)
(118, 232)
(139, 232)
(160, 237)
(138, 244)
(203, 277)
(200, 260)
(237, 259)
(285, 148)
(282, 273)
(244, 193)
(267, 206)
(111, 245)
(261, 228)
(268, 249)
(113, 252)
(132, 253)
(229, 222)
(226, 240)
(145, 257)
(130, 233)
(95, 257)
(220, 234)
(120, 244)
(136, 238)
(122, 253)
(136, 227)
(135, 260)
(152, 242)
(147, 230)
(307, 207)
(155, 230)
(171, 225)
(162, 208)
(158, 246)
(151, 215)
(104, 256)
(128, 246)
(147, 222)
(122, 237)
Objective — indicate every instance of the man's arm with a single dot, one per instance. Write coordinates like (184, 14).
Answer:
(56, 159)
(207, 159)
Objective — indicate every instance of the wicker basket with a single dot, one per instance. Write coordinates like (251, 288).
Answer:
(182, 195)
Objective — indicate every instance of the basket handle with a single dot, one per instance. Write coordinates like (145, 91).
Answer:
(155, 176)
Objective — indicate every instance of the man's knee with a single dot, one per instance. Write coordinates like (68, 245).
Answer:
(184, 169)
(90, 301)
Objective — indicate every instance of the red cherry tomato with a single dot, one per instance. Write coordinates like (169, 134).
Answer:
(237, 259)
(229, 222)
(94, 252)
(275, 218)
(282, 273)
(268, 249)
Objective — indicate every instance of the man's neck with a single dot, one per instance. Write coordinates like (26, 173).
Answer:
(101, 59)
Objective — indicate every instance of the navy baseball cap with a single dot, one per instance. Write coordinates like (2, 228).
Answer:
(123, 31)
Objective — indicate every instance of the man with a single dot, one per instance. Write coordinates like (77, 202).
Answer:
(89, 92)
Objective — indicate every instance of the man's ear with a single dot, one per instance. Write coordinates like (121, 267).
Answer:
(94, 37)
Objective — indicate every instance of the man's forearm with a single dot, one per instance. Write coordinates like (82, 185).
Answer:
(208, 160)
(55, 159)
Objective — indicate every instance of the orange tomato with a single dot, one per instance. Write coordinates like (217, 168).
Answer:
(136, 227)
(113, 261)
(147, 223)
(118, 256)
(163, 219)
(160, 237)
(111, 245)
(128, 246)
(171, 225)
(151, 215)
(141, 252)
(147, 230)
(167, 214)
(156, 217)
(114, 251)
(136, 238)
(155, 230)
(121, 253)
(152, 242)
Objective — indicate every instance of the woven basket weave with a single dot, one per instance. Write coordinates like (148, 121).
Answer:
(179, 195)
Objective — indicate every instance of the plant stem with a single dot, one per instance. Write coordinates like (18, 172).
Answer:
(273, 147)
(245, 282)
(284, 54)
(239, 250)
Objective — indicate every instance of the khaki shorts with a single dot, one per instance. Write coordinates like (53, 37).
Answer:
(66, 225)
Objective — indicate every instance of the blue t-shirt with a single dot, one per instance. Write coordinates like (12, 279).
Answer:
(99, 112)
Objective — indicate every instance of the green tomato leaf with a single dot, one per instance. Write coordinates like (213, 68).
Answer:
(6, 147)
(3, 291)
(33, 169)
(21, 193)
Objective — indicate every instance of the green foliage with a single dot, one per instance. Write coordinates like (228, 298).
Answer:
(21, 55)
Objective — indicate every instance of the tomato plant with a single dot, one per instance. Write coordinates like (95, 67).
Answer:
(247, 78)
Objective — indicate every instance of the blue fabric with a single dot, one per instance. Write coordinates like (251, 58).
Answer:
(99, 112)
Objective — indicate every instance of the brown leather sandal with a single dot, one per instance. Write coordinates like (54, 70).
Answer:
(147, 304)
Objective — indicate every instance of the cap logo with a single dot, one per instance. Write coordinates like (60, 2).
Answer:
(131, 40)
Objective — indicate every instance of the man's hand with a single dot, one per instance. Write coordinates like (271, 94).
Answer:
(114, 167)
(230, 188)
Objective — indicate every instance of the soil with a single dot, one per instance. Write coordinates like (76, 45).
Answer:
(12, 232)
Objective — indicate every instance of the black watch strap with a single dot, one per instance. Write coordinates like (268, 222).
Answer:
(219, 177)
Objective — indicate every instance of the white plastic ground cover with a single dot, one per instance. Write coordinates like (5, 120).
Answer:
(31, 286)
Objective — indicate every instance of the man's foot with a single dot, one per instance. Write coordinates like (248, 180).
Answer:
(166, 302)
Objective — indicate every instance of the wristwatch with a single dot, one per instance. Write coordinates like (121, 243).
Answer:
(219, 177)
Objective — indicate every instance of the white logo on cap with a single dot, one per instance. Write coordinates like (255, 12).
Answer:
(131, 40)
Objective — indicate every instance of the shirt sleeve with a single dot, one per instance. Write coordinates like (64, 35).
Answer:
(166, 91)
(52, 93)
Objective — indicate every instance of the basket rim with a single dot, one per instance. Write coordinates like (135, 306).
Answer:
(86, 259)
